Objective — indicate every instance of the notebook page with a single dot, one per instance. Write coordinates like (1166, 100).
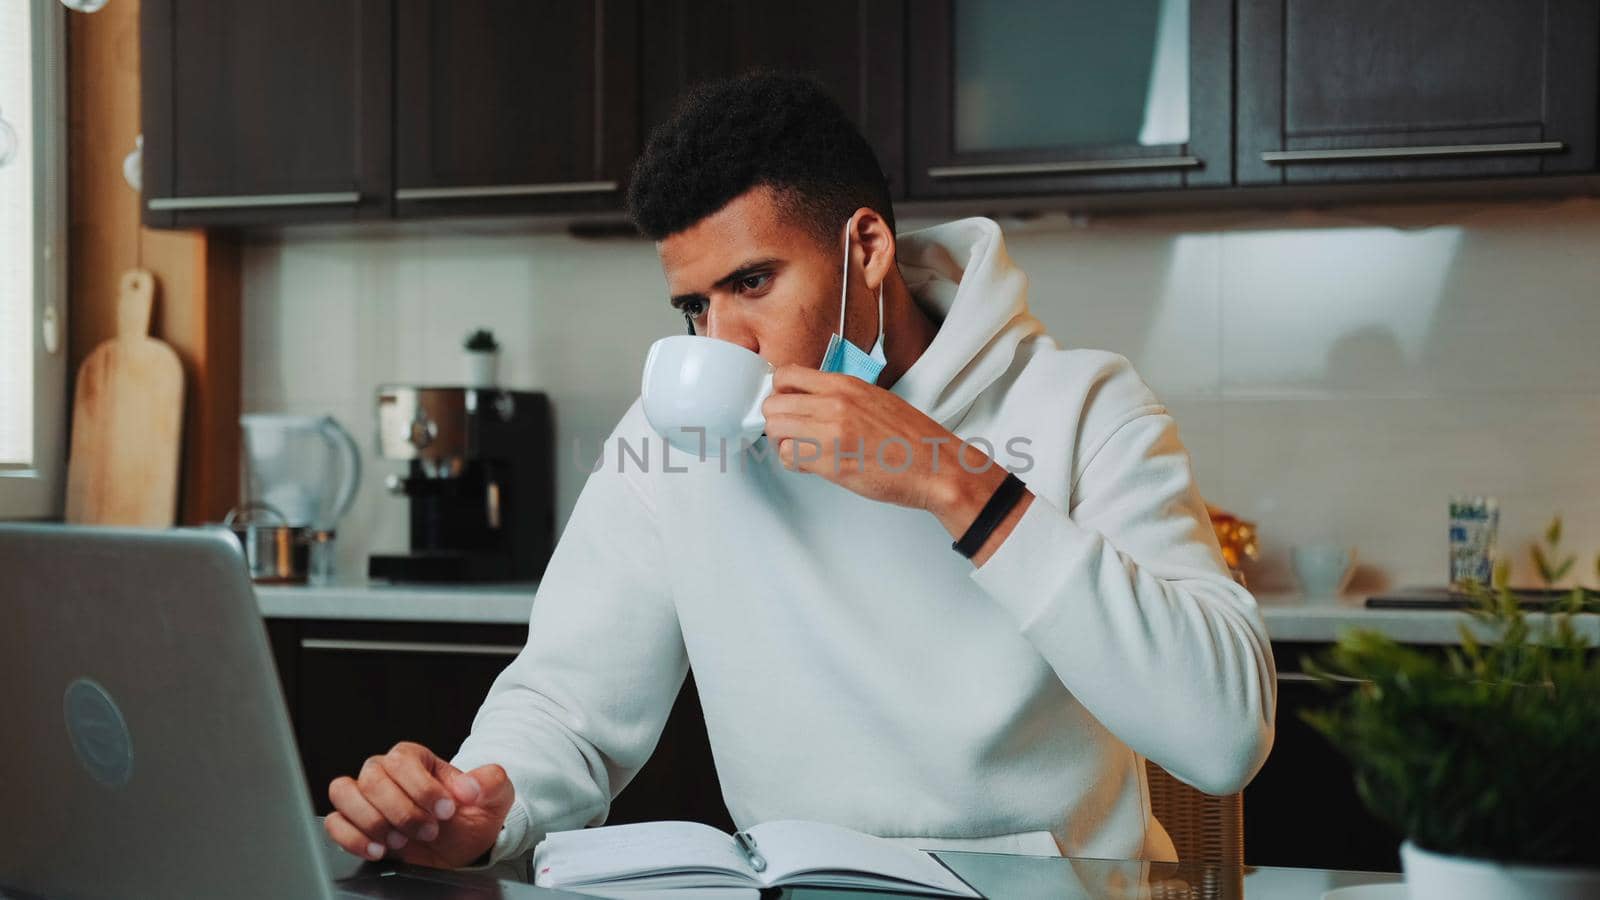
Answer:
(629, 892)
(616, 852)
(793, 848)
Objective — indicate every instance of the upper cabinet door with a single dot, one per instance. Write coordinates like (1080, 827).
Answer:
(265, 113)
(514, 106)
(1364, 90)
(855, 48)
(1063, 96)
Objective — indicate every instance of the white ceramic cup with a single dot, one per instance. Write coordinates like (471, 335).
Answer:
(692, 383)
(1323, 569)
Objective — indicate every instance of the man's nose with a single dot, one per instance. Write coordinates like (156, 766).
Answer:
(732, 328)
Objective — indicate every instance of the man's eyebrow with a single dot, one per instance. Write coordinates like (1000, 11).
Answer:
(745, 270)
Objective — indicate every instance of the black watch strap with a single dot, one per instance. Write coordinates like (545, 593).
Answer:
(1001, 502)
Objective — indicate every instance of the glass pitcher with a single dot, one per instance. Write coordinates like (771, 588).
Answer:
(305, 468)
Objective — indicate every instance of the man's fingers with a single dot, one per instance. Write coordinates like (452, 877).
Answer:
(804, 379)
(464, 787)
(494, 786)
(454, 787)
(460, 786)
(350, 838)
(782, 428)
(415, 776)
(358, 811)
(803, 454)
(798, 406)
(396, 805)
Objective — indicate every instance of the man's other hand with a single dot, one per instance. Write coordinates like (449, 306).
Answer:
(414, 806)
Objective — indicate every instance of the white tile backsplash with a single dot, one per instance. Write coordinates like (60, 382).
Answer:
(1153, 296)
(1375, 473)
(1335, 375)
(1331, 308)
(1199, 418)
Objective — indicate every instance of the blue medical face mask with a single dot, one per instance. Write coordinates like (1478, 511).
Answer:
(843, 356)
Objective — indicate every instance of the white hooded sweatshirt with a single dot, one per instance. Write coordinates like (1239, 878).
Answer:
(853, 669)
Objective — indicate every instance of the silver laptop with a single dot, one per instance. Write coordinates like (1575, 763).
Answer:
(145, 750)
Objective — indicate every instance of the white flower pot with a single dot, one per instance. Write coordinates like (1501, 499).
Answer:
(481, 368)
(1434, 876)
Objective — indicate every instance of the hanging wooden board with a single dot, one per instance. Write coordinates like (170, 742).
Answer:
(127, 422)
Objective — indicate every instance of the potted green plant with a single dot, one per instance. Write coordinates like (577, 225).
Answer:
(1484, 756)
(482, 358)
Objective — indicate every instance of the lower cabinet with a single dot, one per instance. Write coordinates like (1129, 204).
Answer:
(1302, 808)
(355, 689)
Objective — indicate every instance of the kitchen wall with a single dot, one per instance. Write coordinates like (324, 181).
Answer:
(1335, 375)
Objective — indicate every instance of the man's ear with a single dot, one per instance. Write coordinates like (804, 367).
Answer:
(873, 242)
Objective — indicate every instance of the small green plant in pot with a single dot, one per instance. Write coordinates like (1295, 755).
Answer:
(482, 358)
(1486, 757)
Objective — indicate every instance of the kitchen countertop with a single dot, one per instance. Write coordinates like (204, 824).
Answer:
(485, 604)
(1289, 617)
(1295, 618)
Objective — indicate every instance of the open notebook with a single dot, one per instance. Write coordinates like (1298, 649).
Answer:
(651, 856)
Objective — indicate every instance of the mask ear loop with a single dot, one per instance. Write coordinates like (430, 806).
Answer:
(844, 278)
(844, 290)
(879, 342)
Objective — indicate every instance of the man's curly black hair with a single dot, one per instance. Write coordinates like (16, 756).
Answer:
(774, 129)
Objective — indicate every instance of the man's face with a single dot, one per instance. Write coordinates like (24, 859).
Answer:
(749, 275)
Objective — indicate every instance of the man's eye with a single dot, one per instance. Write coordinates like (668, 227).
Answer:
(752, 283)
(694, 309)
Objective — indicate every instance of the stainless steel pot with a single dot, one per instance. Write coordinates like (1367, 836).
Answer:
(276, 553)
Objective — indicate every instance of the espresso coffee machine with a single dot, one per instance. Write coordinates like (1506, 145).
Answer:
(480, 482)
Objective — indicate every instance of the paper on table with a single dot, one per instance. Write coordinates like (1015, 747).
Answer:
(792, 847)
(614, 892)
(622, 851)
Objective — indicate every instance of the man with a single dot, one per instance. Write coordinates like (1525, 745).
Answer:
(852, 666)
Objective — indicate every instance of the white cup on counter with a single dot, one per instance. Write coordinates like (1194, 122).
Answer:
(1322, 568)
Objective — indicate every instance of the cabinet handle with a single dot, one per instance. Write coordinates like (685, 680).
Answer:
(363, 646)
(1066, 167)
(245, 201)
(505, 190)
(1281, 157)
(1303, 678)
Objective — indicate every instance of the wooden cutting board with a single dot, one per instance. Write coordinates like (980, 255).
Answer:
(127, 421)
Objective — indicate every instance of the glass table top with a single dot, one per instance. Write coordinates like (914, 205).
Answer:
(1010, 877)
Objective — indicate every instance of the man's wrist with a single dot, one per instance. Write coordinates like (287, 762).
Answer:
(959, 495)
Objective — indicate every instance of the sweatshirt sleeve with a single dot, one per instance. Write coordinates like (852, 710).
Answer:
(578, 712)
(1126, 596)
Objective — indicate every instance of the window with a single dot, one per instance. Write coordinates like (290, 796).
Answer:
(32, 257)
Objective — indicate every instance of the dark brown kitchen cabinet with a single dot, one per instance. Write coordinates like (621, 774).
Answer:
(355, 689)
(1369, 90)
(854, 48)
(264, 113)
(522, 106)
(1012, 97)
(316, 110)
(1302, 809)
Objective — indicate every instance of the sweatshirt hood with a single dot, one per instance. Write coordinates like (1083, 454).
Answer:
(960, 273)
